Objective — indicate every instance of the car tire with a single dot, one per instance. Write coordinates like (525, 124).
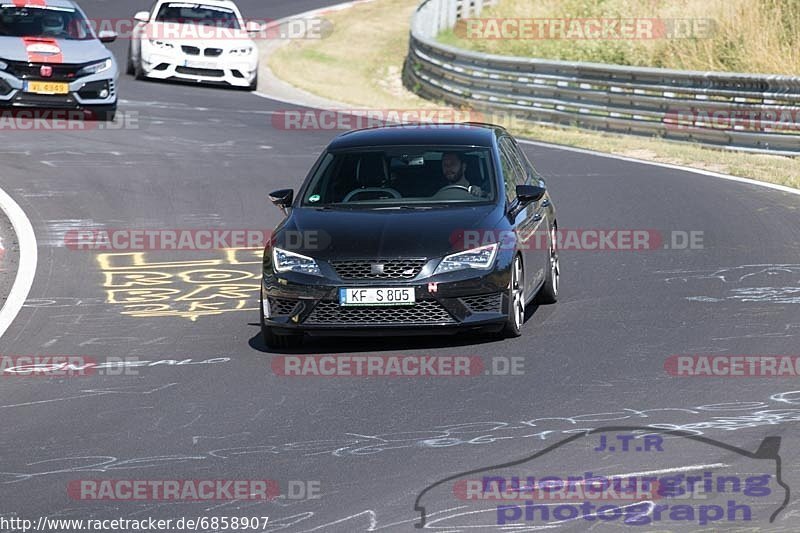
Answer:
(138, 71)
(516, 300)
(104, 113)
(130, 68)
(548, 294)
(275, 341)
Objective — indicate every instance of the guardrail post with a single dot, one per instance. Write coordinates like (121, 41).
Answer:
(452, 13)
(466, 9)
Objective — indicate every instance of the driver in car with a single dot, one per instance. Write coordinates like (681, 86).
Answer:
(53, 25)
(454, 170)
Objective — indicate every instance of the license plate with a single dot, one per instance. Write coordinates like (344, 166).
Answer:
(47, 87)
(200, 64)
(377, 296)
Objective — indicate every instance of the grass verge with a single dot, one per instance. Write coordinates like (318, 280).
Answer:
(360, 64)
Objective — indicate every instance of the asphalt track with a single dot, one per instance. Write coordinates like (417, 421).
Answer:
(206, 157)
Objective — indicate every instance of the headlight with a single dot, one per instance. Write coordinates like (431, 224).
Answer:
(481, 258)
(3, 65)
(285, 261)
(161, 44)
(95, 68)
(241, 51)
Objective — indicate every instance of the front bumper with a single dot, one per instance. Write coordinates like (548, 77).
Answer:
(464, 300)
(84, 92)
(239, 72)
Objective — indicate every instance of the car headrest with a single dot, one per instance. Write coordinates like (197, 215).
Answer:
(371, 170)
(473, 172)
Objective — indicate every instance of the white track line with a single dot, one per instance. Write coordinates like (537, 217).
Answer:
(28, 258)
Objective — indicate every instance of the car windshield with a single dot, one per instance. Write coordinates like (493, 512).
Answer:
(402, 176)
(200, 14)
(44, 22)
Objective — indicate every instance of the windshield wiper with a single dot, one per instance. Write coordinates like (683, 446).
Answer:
(330, 206)
(405, 207)
(363, 207)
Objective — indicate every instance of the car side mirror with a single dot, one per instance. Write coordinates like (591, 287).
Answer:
(282, 198)
(530, 193)
(253, 27)
(107, 36)
(142, 16)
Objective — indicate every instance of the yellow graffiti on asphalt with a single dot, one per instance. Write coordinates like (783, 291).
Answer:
(187, 289)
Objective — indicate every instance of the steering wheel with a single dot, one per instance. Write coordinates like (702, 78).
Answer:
(454, 187)
(353, 194)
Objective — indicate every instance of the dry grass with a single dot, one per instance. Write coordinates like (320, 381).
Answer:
(359, 64)
(359, 61)
(760, 36)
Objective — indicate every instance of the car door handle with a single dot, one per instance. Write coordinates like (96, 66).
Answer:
(546, 203)
(537, 217)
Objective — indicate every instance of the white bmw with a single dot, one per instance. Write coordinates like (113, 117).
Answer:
(202, 42)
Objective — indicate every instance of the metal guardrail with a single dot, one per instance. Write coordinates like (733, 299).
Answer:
(739, 111)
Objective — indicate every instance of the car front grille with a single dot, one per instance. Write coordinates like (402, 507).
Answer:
(425, 312)
(485, 303)
(211, 73)
(195, 51)
(281, 306)
(47, 101)
(394, 269)
(32, 71)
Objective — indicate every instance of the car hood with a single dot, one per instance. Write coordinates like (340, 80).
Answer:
(52, 50)
(383, 234)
